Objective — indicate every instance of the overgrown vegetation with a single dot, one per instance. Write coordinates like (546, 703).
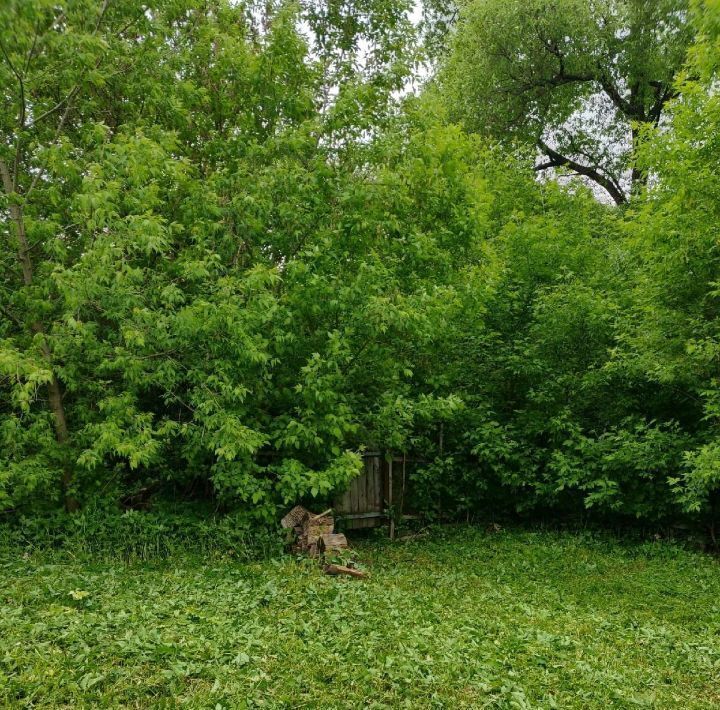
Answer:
(134, 535)
(235, 249)
(466, 619)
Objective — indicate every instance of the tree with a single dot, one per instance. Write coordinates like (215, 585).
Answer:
(224, 277)
(576, 79)
(673, 331)
(37, 117)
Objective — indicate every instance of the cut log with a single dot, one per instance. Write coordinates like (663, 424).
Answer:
(296, 516)
(341, 569)
(331, 542)
(317, 526)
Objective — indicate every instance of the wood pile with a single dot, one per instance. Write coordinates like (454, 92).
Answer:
(313, 528)
(314, 536)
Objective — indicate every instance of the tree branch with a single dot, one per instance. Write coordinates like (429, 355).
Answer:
(21, 83)
(602, 78)
(56, 107)
(622, 104)
(23, 110)
(663, 94)
(558, 160)
(32, 48)
(10, 316)
(75, 88)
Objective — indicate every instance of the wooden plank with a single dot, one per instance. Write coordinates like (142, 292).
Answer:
(385, 481)
(361, 516)
(362, 492)
(361, 486)
(343, 504)
(390, 498)
(369, 485)
(365, 494)
(377, 468)
(352, 498)
(354, 507)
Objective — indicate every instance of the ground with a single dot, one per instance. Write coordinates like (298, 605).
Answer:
(463, 619)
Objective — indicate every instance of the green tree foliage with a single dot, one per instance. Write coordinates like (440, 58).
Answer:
(232, 255)
(592, 378)
(674, 337)
(171, 174)
(576, 79)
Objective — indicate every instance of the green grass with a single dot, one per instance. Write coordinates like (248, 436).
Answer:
(465, 619)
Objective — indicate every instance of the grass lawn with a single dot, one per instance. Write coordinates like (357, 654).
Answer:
(464, 619)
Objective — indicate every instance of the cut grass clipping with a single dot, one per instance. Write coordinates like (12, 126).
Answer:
(464, 619)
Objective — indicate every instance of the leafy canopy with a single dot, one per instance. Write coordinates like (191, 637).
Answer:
(572, 78)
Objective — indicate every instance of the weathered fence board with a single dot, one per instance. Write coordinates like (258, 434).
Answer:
(364, 504)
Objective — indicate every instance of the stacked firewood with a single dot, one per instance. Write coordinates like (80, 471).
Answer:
(314, 536)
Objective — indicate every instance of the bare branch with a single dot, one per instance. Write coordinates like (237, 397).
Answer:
(558, 160)
(663, 94)
(622, 104)
(56, 107)
(23, 110)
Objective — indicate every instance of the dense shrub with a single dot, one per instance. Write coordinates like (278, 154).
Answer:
(231, 256)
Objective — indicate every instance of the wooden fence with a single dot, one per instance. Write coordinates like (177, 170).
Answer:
(382, 484)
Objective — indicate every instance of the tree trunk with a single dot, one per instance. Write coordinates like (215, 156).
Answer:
(55, 396)
(638, 178)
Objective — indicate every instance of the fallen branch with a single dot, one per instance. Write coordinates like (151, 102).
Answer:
(341, 569)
